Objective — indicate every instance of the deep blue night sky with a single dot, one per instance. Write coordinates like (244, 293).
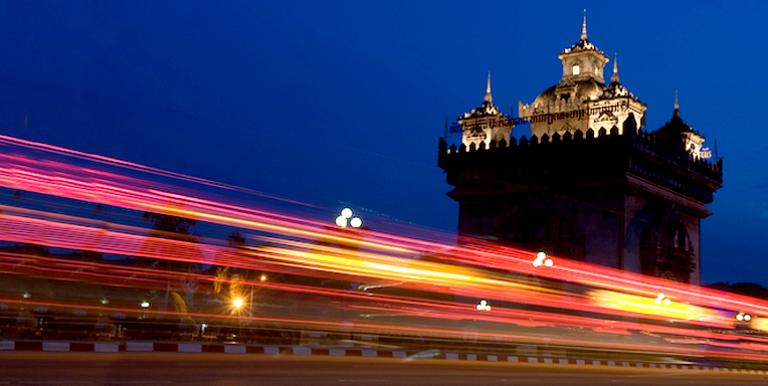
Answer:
(332, 102)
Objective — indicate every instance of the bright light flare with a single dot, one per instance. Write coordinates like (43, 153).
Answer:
(237, 303)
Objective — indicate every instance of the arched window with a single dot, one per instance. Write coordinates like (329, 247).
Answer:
(576, 70)
(680, 240)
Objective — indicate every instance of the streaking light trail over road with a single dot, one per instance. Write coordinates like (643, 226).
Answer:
(262, 264)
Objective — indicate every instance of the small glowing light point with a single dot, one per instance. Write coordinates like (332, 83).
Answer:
(541, 255)
(549, 262)
(263, 277)
(341, 221)
(740, 317)
(144, 304)
(667, 302)
(747, 317)
(104, 301)
(237, 303)
(356, 222)
(26, 295)
(346, 213)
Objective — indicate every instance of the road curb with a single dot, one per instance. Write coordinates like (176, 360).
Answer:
(298, 350)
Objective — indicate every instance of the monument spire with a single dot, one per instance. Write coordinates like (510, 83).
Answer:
(615, 77)
(488, 97)
(677, 104)
(584, 26)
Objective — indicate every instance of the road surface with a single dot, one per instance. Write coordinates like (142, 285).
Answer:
(130, 369)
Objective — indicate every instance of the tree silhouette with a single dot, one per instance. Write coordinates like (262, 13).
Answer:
(166, 226)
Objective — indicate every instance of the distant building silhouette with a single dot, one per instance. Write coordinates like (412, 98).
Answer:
(589, 184)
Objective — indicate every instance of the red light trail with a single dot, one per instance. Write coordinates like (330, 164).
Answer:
(418, 287)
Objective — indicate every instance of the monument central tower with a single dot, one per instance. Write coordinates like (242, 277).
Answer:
(589, 183)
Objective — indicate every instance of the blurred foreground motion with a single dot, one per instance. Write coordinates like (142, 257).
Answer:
(95, 248)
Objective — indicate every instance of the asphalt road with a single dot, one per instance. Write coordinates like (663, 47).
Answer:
(21, 368)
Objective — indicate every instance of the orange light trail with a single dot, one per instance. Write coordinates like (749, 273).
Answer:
(436, 286)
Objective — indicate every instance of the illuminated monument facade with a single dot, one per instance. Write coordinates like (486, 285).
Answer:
(589, 183)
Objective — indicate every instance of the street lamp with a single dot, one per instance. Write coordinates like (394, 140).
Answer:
(237, 303)
(144, 304)
(661, 298)
(483, 306)
(743, 317)
(346, 219)
(542, 259)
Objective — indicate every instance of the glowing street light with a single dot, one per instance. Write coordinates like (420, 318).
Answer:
(237, 303)
(542, 259)
(263, 277)
(144, 304)
(743, 317)
(661, 298)
(483, 306)
(346, 219)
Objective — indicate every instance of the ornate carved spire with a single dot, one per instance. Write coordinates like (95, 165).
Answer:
(615, 77)
(584, 26)
(488, 97)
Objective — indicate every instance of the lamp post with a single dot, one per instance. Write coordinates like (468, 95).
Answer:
(236, 306)
(743, 317)
(347, 219)
(542, 259)
(662, 299)
(483, 306)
